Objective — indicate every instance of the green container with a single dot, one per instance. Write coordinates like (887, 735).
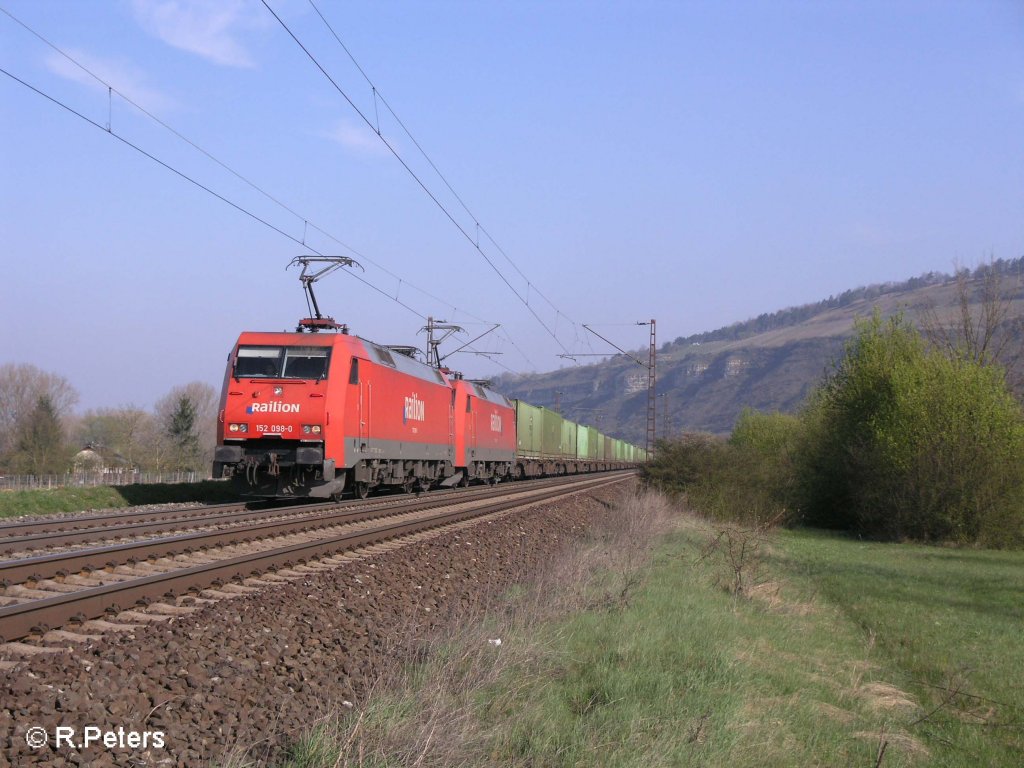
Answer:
(551, 440)
(582, 441)
(529, 429)
(569, 431)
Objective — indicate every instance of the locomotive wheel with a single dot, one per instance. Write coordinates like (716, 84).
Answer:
(362, 490)
(408, 485)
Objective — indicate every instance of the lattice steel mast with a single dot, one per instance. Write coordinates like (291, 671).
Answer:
(652, 403)
(651, 376)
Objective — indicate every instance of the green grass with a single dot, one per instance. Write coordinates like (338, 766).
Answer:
(45, 502)
(844, 646)
(944, 620)
(690, 675)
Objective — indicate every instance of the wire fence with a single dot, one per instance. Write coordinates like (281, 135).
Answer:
(96, 478)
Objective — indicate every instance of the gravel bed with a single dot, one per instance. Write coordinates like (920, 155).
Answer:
(138, 508)
(257, 669)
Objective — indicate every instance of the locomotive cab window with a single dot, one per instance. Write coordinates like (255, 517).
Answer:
(353, 374)
(282, 362)
(306, 362)
(254, 362)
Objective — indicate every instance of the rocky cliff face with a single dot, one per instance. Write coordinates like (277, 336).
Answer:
(703, 386)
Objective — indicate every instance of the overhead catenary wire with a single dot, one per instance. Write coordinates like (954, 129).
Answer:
(210, 191)
(377, 95)
(108, 128)
(416, 177)
(306, 222)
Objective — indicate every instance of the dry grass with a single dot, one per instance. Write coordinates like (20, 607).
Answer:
(890, 742)
(885, 696)
(423, 710)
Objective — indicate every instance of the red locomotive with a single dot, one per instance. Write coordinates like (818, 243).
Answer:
(485, 432)
(314, 415)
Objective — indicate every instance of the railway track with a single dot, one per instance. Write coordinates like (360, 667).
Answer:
(75, 588)
(29, 537)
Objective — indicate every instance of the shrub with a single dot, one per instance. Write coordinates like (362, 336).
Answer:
(739, 480)
(679, 466)
(904, 442)
(765, 446)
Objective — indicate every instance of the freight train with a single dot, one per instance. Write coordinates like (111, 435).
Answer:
(326, 414)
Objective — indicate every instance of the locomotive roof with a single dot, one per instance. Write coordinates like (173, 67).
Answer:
(376, 352)
(403, 363)
(485, 393)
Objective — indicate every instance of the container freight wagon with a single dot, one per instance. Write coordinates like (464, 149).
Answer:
(316, 415)
(532, 460)
(485, 433)
(543, 441)
(549, 444)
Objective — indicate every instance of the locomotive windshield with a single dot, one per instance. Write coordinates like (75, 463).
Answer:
(282, 362)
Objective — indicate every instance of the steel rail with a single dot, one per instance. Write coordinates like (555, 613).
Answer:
(40, 567)
(91, 527)
(154, 523)
(81, 528)
(17, 621)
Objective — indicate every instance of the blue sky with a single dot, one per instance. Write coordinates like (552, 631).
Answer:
(696, 162)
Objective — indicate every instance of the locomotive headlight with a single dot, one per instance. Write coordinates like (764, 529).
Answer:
(311, 429)
(238, 427)
(232, 428)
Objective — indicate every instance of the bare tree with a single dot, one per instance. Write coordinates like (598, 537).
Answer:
(986, 324)
(21, 387)
(187, 416)
(121, 429)
(39, 442)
